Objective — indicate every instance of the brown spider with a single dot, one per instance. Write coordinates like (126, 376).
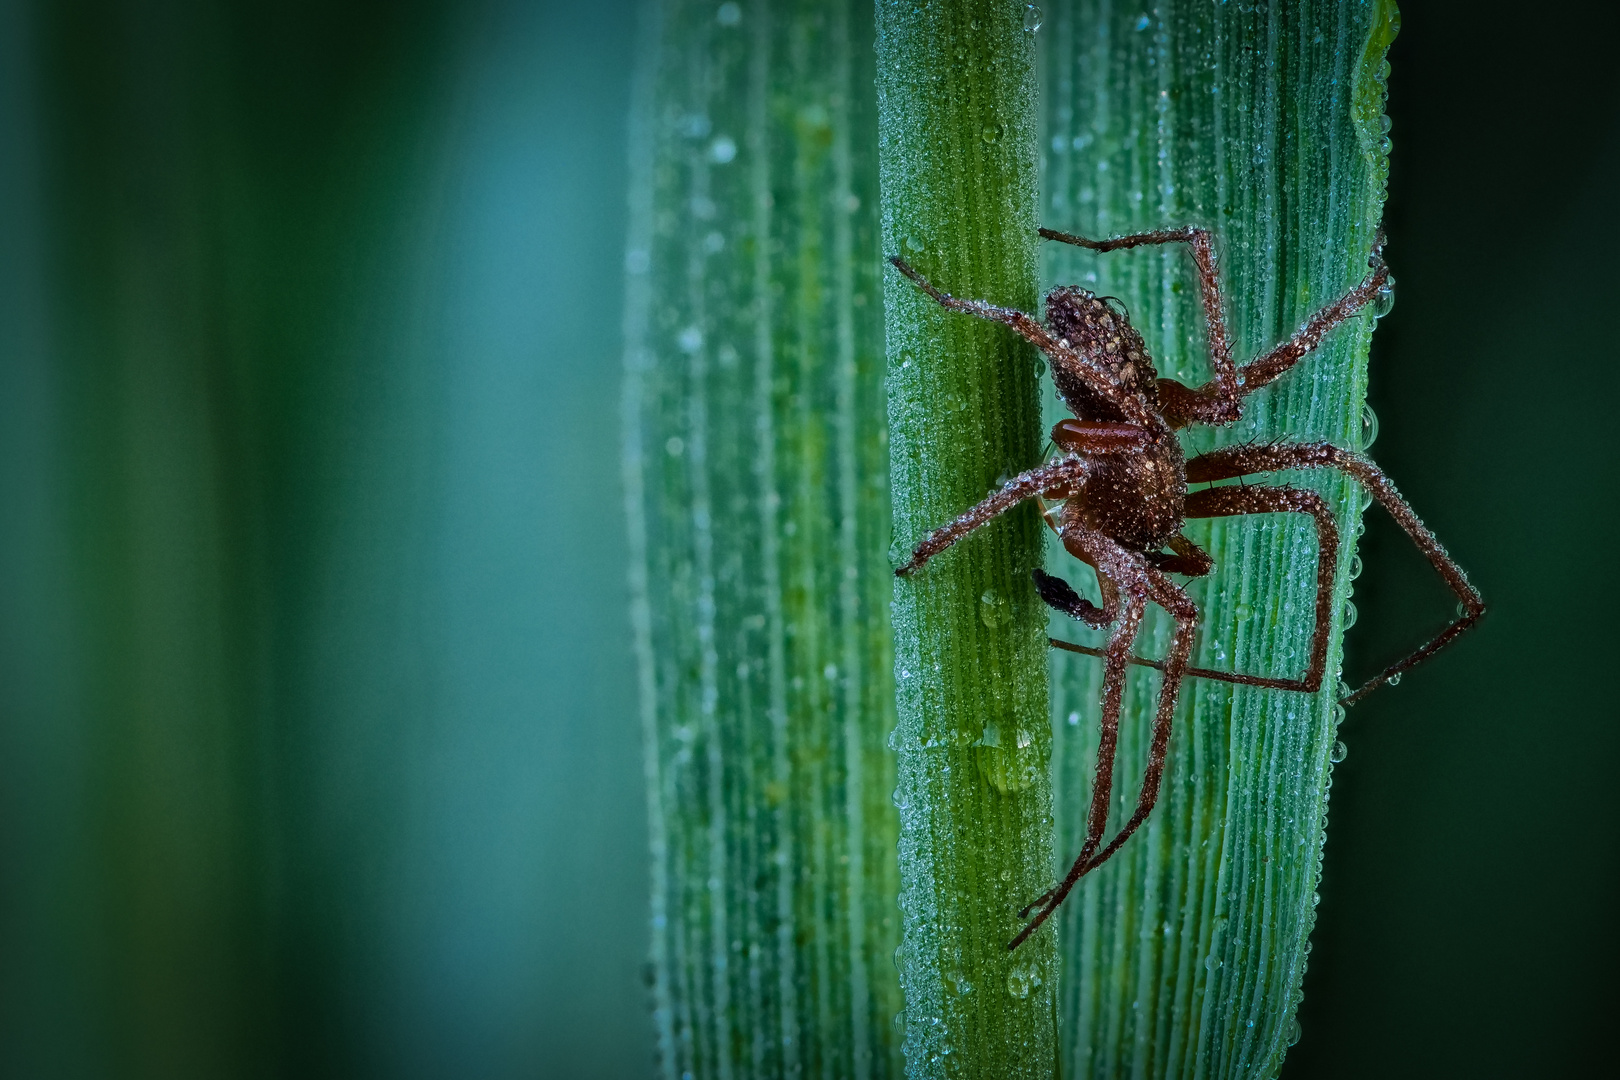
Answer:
(1123, 480)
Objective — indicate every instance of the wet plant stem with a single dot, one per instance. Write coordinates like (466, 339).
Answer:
(958, 163)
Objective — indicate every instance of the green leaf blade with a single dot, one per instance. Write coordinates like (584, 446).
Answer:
(755, 468)
(956, 97)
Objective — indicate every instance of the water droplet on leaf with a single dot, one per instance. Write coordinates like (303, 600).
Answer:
(994, 610)
(1384, 300)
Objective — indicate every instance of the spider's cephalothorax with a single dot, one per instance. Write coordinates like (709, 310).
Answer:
(1123, 482)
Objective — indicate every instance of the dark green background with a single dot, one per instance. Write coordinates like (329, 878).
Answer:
(318, 747)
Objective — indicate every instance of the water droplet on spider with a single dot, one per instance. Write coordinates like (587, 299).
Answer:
(1212, 962)
(1032, 18)
(1369, 426)
(991, 133)
(1395, 679)
(1349, 615)
(1355, 567)
(1243, 612)
(955, 402)
(1316, 898)
(994, 609)
(1339, 752)
(1295, 1033)
(1384, 300)
(1338, 713)
(729, 14)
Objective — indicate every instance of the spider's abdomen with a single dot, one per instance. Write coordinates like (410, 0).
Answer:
(1139, 500)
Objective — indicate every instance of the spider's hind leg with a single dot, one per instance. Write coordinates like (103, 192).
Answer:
(1146, 585)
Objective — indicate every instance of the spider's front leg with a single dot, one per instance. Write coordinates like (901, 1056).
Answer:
(1056, 480)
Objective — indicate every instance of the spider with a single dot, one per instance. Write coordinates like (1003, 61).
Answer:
(1123, 480)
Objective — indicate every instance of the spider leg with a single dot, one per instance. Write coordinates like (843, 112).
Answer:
(1189, 559)
(1222, 393)
(1027, 326)
(1231, 501)
(1220, 401)
(1056, 479)
(1162, 591)
(1263, 370)
(1128, 575)
(1030, 329)
(1242, 460)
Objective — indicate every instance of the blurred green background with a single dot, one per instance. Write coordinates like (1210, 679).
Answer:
(318, 747)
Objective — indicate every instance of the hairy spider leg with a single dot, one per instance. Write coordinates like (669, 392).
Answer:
(1244, 460)
(1220, 401)
(1234, 501)
(1098, 380)
(1143, 580)
(1215, 502)
(1057, 480)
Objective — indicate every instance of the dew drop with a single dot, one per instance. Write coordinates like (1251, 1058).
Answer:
(1395, 679)
(1295, 1032)
(723, 150)
(1074, 719)
(1212, 962)
(729, 14)
(1384, 300)
(1243, 612)
(1142, 23)
(1339, 752)
(1316, 898)
(991, 133)
(1018, 983)
(1369, 426)
(1032, 18)
(1349, 615)
(994, 610)
(955, 402)
(1355, 567)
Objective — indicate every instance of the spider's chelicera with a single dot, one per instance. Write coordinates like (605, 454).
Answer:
(1123, 481)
